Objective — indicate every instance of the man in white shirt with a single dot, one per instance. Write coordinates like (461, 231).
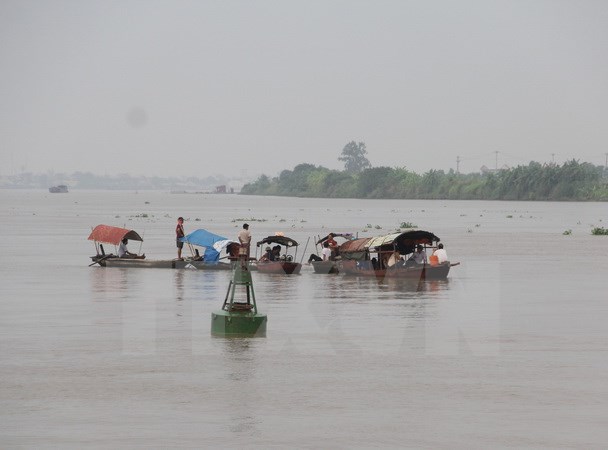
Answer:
(441, 254)
(244, 237)
(326, 252)
(122, 248)
(124, 253)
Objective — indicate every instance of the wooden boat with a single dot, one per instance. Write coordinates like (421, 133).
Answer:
(107, 234)
(213, 245)
(370, 257)
(425, 271)
(286, 264)
(186, 263)
(327, 267)
(59, 189)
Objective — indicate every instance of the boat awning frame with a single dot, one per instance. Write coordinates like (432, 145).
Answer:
(281, 240)
(403, 242)
(213, 243)
(347, 236)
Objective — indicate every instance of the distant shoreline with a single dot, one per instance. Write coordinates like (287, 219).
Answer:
(572, 181)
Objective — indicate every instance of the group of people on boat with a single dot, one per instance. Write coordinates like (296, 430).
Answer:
(417, 258)
(244, 238)
(272, 254)
(123, 252)
(329, 251)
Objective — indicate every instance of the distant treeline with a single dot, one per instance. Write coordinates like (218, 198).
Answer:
(571, 181)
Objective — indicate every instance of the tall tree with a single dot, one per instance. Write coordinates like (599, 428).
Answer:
(353, 156)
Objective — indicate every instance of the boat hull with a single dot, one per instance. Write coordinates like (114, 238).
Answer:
(325, 267)
(160, 264)
(428, 272)
(280, 267)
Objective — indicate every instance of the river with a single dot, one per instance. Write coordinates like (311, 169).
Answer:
(510, 351)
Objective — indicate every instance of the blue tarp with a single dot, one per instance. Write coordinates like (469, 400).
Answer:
(212, 243)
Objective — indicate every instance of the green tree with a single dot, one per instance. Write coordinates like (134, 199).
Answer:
(353, 157)
(374, 183)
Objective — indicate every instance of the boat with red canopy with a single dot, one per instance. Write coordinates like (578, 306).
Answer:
(107, 234)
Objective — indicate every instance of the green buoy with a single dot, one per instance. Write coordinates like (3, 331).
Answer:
(239, 318)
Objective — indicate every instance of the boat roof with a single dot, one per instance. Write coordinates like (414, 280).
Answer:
(213, 243)
(347, 236)
(203, 238)
(403, 242)
(108, 234)
(356, 245)
(282, 240)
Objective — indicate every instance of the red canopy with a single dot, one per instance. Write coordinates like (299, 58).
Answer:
(356, 245)
(108, 234)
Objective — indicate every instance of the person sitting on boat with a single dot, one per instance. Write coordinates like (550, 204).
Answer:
(419, 256)
(124, 253)
(268, 256)
(325, 254)
(197, 256)
(276, 253)
(441, 254)
(393, 259)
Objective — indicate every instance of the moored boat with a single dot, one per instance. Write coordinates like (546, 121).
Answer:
(283, 264)
(329, 266)
(59, 189)
(213, 245)
(325, 267)
(107, 234)
(382, 256)
(164, 264)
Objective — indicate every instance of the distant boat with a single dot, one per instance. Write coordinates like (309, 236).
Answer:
(59, 189)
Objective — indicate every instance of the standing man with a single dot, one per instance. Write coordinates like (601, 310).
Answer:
(179, 233)
(245, 240)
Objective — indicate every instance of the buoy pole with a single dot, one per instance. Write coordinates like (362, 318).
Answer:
(238, 318)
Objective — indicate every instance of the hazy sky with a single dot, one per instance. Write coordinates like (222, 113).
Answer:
(205, 87)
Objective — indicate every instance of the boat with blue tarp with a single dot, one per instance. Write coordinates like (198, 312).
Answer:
(212, 244)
